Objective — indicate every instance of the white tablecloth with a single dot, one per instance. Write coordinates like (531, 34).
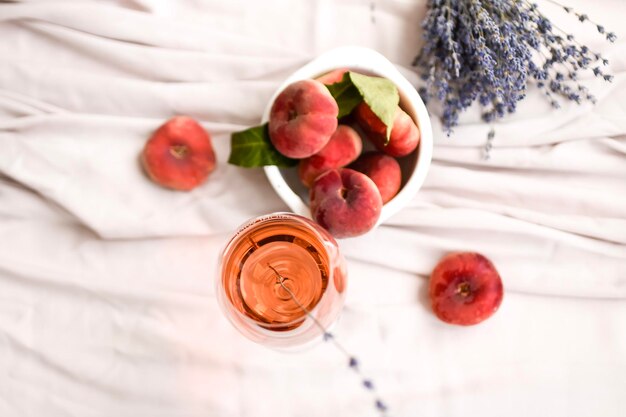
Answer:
(107, 302)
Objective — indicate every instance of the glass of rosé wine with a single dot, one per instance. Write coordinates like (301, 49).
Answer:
(281, 280)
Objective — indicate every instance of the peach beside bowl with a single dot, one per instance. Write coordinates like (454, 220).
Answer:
(414, 166)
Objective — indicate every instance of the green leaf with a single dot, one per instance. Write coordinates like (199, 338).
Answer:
(381, 95)
(253, 148)
(345, 94)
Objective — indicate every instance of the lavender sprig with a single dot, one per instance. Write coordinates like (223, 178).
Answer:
(491, 50)
(353, 363)
(610, 36)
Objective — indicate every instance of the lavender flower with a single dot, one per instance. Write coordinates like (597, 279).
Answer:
(491, 50)
(353, 363)
(487, 150)
(381, 406)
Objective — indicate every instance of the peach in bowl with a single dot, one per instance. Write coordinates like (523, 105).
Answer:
(351, 176)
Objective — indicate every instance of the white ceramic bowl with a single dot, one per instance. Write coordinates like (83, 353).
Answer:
(414, 166)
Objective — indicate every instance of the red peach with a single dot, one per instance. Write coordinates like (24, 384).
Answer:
(332, 77)
(302, 119)
(343, 147)
(179, 154)
(383, 170)
(405, 134)
(345, 202)
(465, 288)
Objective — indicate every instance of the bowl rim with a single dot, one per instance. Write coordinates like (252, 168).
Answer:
(365, 59)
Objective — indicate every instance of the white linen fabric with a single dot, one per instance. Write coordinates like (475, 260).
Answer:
(107, 303)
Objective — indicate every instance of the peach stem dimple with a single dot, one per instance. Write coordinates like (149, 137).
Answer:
(464, 289)
(292, 115)
(179, 151)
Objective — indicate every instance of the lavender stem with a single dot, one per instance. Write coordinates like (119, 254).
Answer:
(352, 361)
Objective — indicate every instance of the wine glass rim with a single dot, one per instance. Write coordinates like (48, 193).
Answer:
(223, 297)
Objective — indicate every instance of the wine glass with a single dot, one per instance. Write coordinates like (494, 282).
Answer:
(281, 280)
